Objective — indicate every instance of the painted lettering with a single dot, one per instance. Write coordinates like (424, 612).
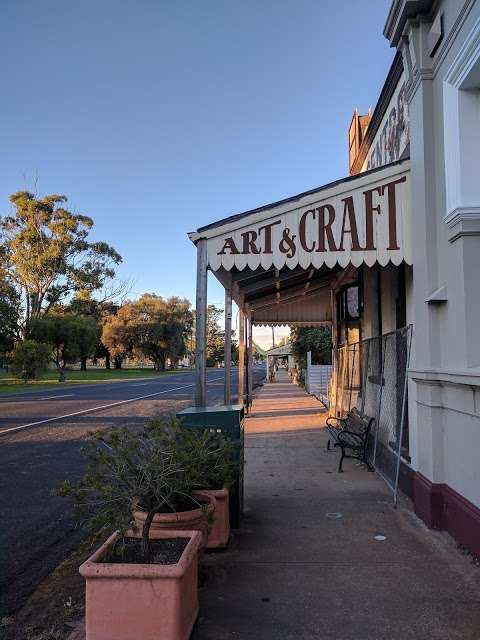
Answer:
(229, 243)
(287, 243)
(267, 236)
(369, 211)
(392, 212)
(248, 239)
(349, 210)
(325, 229)
(302, 231)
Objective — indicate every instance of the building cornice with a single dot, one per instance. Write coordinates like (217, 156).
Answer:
(470, 378)
(400, 12)
(463, 221)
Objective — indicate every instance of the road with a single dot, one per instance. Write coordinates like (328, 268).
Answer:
(40, 439)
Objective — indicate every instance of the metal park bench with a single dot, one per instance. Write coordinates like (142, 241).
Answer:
(351, 433)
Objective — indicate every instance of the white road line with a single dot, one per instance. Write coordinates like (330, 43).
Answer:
(65, 395)
(105, 406)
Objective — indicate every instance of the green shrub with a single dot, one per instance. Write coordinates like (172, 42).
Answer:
(157, 470)
(29, 358)
(208, 459)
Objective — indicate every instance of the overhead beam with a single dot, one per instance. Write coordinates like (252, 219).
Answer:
(276, 281)
(242, 276)
(285, 287)
(299, 293)
(290, 290)
(310, 276)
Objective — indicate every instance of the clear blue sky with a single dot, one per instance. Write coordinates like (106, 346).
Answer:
(155, 117)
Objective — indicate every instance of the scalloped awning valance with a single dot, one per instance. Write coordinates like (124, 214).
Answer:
(362, 219)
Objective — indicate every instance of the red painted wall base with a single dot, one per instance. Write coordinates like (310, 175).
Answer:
(440, 507)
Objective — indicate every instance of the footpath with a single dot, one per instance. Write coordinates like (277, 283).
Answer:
(306, 564)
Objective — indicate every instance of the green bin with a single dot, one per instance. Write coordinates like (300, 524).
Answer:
(227, 419)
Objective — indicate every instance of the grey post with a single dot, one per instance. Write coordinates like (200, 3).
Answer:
(201, 325)
(404, 410)
(250, 360)
(241, 356)
(307, 376)
(227, 356)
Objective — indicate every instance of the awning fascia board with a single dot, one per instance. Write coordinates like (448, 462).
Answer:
(365, 220)
(330, 190)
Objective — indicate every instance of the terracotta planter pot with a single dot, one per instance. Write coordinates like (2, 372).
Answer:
(194, 520)
(147, 601)
(219, 533)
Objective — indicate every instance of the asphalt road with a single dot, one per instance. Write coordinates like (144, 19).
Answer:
(40, 439)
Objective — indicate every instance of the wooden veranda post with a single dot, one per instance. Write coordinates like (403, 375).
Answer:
(201, 325)
(241, 356)
(250, 360)
(227, 356)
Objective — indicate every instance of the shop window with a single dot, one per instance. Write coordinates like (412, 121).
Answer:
(348, 315)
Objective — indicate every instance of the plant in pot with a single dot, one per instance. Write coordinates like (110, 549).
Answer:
(142, 582)
(211, 462)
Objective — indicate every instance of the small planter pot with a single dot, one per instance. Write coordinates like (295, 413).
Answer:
(219, 533)
(194, 520)
(147, 601)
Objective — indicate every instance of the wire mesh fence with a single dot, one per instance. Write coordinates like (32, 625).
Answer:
(371, 375)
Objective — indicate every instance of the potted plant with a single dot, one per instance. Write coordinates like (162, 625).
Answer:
(128, 598)
(127, 469)
(209, 460)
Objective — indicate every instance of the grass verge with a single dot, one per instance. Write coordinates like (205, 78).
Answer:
(49, 380)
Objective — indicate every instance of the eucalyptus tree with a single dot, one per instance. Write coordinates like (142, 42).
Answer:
(154, 327)
(70, 338)
(9, 317)
(46, 254)
(318, 340)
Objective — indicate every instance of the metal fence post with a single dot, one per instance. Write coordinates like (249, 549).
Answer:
(383, 347)
(364, 376)
(402, 419)
(351, 377)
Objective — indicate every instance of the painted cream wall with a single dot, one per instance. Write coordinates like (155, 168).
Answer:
(445, 374)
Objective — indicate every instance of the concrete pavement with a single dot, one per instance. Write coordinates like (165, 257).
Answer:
(306, 564)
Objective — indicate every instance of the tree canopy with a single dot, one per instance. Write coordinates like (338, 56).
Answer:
(163, 326)
(215, 346)
(9, 316)
(153, 326)
(317, 340)
(70, 337)
(29, 358)
(46, 255)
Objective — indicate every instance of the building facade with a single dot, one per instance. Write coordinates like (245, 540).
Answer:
(429, 111)
(394, 245)
(440, 47)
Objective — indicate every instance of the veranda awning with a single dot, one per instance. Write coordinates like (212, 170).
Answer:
(362, 219)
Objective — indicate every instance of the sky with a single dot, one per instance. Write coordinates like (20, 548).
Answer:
(156, 117)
